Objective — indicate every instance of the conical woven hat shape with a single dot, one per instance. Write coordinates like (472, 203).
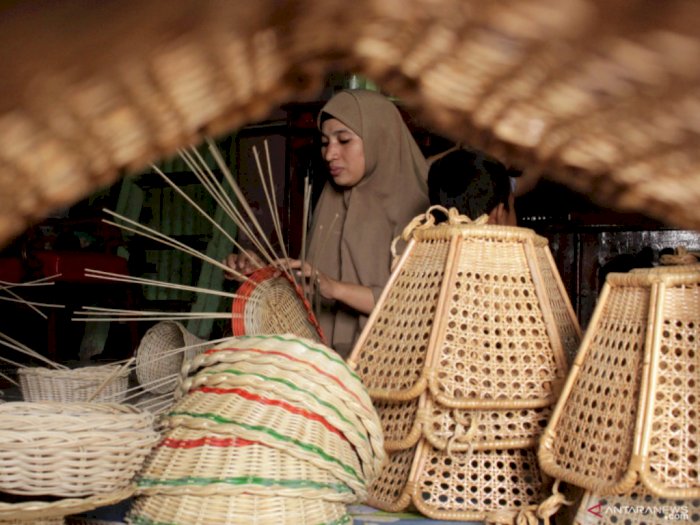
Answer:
(629, 411)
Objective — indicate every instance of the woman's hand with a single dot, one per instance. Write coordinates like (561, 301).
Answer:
(242, 264)
(326, 285)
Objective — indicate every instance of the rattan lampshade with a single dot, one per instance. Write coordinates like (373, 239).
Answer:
(629, 414)
(463, 356)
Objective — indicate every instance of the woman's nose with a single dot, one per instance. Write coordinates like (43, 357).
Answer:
(331, 152)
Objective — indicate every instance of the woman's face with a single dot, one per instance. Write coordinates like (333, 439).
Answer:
(344, 152)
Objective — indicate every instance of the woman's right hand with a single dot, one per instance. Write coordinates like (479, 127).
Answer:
(243, 263)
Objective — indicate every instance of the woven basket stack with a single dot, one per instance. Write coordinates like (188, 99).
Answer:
(64, 458)
(626, 428)
(463, 356)
(269, 429)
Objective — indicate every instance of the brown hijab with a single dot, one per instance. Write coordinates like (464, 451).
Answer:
(352, 228)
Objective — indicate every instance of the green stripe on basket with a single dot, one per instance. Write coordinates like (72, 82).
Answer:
(245, 480)
(273, 433)
(142, 520)
(293, 387)
(306, 345)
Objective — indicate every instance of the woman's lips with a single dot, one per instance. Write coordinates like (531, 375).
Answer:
(335, 171)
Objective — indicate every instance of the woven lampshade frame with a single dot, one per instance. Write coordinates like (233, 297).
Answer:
(492, 264)
(628, 411)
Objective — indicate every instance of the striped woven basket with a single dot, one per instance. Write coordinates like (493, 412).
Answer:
(464, 356)
(268, 302)
(628, 414)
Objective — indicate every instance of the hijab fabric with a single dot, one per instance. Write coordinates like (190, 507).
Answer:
(352, 228)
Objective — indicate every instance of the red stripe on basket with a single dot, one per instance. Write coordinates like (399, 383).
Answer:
(272, 402)
(246, 289)
(208, 441)
(291, 358)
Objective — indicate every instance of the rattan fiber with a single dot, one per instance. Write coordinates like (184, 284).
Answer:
(74, 385)
(628, 413)
(71, 449)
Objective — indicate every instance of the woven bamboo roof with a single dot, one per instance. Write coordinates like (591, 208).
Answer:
(602, 95)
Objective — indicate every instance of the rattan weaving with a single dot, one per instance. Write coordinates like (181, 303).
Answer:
(49, 521)
(629, 411)
(268, 302)
(205, 463)
(336, 408)
(463, 356)
(160, 354)
(71, 449)
(74, 385)
(598, 94)
(274, 422)
(241, 510)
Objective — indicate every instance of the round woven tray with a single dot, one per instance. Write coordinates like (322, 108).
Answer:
(71, 449)
(160, 354)
(236, 510)
(74, 385)
(203, 463)
(270, 303)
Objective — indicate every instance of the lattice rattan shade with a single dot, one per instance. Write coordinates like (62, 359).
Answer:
(629, 411)
(464, 356)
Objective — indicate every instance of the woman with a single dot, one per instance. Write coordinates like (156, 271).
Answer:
(378, 183)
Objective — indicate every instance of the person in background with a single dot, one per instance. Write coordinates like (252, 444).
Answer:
(377, 184)
(474, 184)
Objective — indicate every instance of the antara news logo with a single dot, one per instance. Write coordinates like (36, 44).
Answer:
(666, 512)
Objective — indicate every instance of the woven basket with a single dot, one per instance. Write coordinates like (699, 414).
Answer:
(31, 511)
(235, 510)
(629, 412)
(340, 410)
(268, 302)
(204, 463)
(74, 385)
(160, 354)
(71, 449)
(274, 422)
(49, 521)
(464, 356)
